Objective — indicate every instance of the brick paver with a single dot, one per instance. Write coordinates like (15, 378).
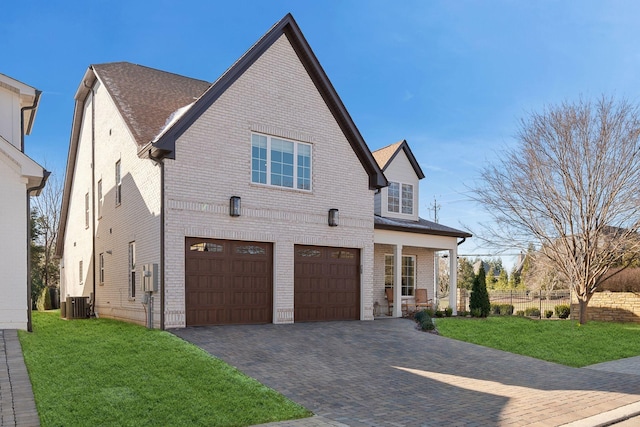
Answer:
(387, 373)
(17, 406)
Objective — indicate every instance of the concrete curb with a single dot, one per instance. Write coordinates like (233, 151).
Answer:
(608, 418)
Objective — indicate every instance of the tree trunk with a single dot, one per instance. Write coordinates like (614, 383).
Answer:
(583, 310)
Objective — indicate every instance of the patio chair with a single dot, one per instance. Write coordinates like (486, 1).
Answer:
(422, 299)
(389, 294)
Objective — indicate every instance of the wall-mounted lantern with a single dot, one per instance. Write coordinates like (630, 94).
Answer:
(333, 217)
(234, 206)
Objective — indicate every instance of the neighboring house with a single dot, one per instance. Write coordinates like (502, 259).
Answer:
(248, 200)
(20, 178)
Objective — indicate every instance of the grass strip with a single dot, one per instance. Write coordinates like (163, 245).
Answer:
(104, 372)
(560, 341)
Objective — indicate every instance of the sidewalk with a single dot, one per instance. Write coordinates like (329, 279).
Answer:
(17, 406)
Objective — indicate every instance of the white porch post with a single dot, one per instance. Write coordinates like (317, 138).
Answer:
(397, 281)
(453, 280)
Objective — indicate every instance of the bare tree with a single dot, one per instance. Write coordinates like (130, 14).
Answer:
(571, 185)
(47, 207)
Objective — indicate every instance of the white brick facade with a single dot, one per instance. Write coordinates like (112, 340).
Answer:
(213, 163)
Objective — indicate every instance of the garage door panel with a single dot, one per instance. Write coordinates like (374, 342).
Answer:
(326, 284)
(228, 282)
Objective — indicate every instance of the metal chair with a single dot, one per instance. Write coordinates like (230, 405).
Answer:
(422, 299)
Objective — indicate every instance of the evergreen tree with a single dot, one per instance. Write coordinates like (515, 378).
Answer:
(479, 301)
(503, 280)
(514, 279)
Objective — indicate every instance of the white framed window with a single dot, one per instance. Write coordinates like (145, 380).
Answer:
(86, 210)
(389, 271)
(400, 198)
(393, 197)
(280, 163)
(408, 273)
(100, 199)
(101, 264)
(118, 184)
(80, 273)
(132, 269)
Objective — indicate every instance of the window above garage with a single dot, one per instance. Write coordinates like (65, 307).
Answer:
(280, 163)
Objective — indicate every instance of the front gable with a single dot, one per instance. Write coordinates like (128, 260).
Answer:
(287, 27)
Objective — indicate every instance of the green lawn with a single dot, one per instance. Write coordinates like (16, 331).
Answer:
(559, 341)
(103, 372)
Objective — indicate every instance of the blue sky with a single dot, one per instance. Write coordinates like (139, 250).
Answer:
(453, 78)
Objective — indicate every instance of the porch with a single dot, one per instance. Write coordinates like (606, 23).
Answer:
(405, 261)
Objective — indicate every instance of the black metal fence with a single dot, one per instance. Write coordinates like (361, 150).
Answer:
(523, 300)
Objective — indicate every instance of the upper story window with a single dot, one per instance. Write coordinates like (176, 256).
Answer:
(280, 163)
(86, 210)
(400, 198)
(100, 199)
(118, 184)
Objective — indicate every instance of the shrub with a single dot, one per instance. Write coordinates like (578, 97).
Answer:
(463, 313)
(439, 313)
(448, 312)
(506, 309)
(548, 313)
(562, 311)
(424, 320)
(520, 313)
(495, 309)
(476, 312)
(532, 312)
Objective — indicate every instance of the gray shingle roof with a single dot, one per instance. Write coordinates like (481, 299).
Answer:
(147, 97)
(421, 226)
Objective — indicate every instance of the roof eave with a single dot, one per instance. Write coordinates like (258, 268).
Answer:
(390, 227)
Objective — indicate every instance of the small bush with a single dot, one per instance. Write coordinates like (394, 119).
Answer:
(439, 313)
(502, 309)
(520, 313)
(463, 313)
(548, 313)
(506, 309)
(448, 312)
(532, 312)
(562, 311)
(424, 320)
(476, 312)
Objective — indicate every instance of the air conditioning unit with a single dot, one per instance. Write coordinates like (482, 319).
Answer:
(77, 307)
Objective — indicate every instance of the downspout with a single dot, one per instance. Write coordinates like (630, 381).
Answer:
(160, 163)
(464, 239)
(22, 110)
(93, 195)
(45, 175)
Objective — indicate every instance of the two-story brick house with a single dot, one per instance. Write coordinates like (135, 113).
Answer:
(252, 196)
(20, 178)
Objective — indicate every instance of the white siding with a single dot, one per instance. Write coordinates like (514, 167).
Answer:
(400, 170)
(13, 246)
(213, 162)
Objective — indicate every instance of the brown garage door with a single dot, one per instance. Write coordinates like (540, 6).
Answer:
(228, 282)
(327, 284)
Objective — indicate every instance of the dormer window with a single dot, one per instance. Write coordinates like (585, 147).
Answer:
(400, 198)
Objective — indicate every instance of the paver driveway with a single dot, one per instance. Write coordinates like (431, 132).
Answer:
(387, 373)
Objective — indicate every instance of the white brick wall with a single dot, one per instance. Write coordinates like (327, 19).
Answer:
(135, 219)
(213, 162)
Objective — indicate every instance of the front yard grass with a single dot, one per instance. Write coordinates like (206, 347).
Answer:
(560, 341)
(104, 372)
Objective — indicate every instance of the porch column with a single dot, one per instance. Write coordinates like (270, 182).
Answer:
(453, 280)
(397, 281)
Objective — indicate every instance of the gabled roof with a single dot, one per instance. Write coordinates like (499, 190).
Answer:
(165, 146)
(146, 97)
(29, 97)
(385, 156)
(422, 226)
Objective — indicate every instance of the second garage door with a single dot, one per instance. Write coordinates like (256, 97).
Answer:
(327, 283)
(228, 282)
